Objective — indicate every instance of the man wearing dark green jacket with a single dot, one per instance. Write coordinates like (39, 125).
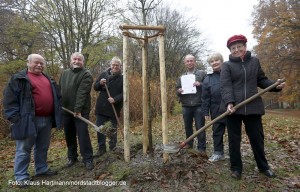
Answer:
(76, 84)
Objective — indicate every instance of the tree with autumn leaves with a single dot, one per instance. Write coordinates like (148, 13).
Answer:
(277, 30)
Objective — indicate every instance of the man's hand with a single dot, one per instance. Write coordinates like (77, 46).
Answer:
(197, 83)
(230, 108)
(180, 90)
(102, 81)
(281, 85)
(111, 100)
(77, 114)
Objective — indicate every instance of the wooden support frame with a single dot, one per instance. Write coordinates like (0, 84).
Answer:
(144, 40)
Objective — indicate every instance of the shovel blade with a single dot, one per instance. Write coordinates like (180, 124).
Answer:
(171, 148)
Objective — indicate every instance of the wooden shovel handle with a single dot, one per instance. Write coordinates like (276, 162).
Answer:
(227, 112)
(81, 118)
(114, 109)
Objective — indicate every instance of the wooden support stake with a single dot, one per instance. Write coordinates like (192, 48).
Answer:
(145, 97)
(126, 99)
(142, 27)
(163, 93)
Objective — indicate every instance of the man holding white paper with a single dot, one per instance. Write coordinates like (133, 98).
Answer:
(189, 88)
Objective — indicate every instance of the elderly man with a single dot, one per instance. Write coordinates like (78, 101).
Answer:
(32, 105)
(76, 83)
(113, 79)
(191, 103)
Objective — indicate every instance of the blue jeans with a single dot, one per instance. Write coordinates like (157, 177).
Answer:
(189, 115)
(101, 120)
(41, 144)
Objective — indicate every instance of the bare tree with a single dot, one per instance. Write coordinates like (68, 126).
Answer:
(181, 36)
(71, 25)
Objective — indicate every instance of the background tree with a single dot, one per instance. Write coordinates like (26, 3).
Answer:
(181, 36)
(18, 39)
(277, 30)
(73, 25)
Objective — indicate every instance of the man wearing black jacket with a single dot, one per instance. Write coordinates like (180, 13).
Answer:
(113, 79)
(191, 103)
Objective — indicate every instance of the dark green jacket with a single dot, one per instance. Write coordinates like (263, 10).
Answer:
(75, 85)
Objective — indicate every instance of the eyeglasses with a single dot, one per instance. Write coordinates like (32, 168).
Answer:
(115, 65)
(238, 47)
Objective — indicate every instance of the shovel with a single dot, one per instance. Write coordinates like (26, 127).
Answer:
(98, 129)
(174, 148)
(114, 109)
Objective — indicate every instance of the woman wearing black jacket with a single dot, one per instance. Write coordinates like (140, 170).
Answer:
(240, 77)
(211, 101)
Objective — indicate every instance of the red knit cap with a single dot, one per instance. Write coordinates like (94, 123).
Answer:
(236, 38)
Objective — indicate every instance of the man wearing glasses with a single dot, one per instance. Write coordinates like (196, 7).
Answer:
(112, 79)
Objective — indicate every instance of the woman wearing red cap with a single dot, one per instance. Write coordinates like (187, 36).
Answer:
(240, 77)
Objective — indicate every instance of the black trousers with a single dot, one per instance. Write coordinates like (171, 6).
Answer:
(218, 133)
(101, 120)
(74, 127)
(255, 133)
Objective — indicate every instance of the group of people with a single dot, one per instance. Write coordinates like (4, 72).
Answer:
(230, 83)
(34, 103)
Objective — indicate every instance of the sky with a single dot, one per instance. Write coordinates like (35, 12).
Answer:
(219, 20)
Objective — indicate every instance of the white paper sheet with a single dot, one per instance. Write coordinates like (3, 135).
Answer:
(187, 82)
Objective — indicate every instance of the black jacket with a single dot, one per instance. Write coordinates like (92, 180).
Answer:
(211, 96)
(19, 106)
(115, 87)
(191, 100)
(239, 81)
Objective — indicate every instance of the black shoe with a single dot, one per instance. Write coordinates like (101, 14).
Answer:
(49, 172)
(100, 152)
(71, 162)
(89, 165)
(269, 173)
(236, 175)
(112, 148)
